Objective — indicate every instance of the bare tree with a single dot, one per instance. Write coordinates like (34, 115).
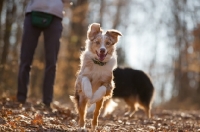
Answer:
(1, 32)
(11, 9)
(76, 40)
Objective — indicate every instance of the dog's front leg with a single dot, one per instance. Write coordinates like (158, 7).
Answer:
(87, 87)
(82, 105)
(96, 114)
(98, 95)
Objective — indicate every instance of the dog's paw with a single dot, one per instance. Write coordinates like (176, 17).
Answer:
(98, 95)
(82, 129)
(93, 128)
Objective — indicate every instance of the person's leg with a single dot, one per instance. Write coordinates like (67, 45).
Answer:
(52, 36)
(29, 43)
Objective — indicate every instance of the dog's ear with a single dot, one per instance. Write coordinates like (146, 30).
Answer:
(114, 35)
(93, 30)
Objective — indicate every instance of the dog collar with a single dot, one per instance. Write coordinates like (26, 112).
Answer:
(98, 62)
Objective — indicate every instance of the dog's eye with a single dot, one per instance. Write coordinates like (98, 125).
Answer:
(97, 42)
(107, 43)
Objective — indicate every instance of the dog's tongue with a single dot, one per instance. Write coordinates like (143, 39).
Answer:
(102, 57)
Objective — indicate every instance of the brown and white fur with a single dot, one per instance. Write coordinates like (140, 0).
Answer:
(94, 81)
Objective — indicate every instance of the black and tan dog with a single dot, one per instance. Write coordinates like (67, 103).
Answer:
(135, 87)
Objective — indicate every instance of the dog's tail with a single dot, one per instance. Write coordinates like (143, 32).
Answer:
(72, 98)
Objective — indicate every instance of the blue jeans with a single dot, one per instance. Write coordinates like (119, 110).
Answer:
(30, 37)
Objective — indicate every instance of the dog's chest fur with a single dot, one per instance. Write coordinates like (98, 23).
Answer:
(99, 75)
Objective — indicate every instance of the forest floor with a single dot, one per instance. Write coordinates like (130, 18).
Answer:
(34, 117)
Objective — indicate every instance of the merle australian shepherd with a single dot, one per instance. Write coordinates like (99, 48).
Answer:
(94, 82)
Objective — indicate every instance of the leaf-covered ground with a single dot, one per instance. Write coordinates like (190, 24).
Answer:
(35, 117)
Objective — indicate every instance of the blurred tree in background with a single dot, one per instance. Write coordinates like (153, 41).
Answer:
(176, 23)
(186, 61)
(11, 19)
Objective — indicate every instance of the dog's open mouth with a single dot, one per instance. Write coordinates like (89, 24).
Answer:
(101, 56)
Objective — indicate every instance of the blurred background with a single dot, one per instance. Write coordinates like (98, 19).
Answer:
(162, 38)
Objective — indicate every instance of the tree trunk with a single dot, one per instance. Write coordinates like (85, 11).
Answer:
(11, 9)
(76, 40)
(101, 12)
(181, 81)
(1, 31)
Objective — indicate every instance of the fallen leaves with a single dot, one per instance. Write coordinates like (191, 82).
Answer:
(12, 124)
(2, 121)
(6, 112)
(38, 120)
(34, 117)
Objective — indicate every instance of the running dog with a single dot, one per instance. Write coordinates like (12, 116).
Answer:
(94, 82)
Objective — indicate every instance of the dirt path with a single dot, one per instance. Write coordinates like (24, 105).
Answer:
(34, 117)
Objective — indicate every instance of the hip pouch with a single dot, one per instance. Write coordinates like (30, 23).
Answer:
(41, 19)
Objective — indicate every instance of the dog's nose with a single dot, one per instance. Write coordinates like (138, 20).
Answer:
(102, 50)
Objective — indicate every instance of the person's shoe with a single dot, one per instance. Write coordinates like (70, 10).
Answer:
(21, 101)
(47, 107)
(43, 106)
(47, 104)
(24, 104)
